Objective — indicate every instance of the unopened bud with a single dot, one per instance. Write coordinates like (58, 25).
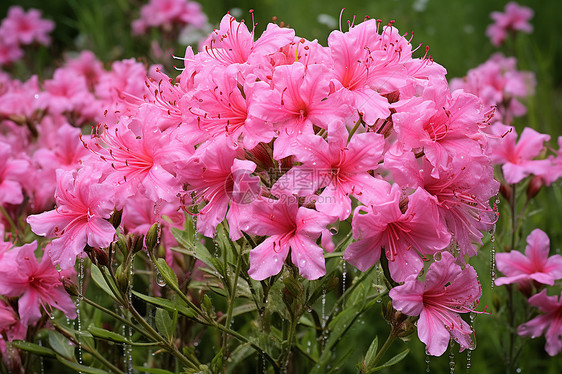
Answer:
(115, 218)
(152, 237)
(505, 191)
(534, 186)
(97, 255)
(12, 360)
(401, 324)
(70, 286)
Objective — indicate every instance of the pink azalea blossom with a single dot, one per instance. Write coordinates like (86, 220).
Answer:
(300, 99)
(10, 51)
(141, 157)
(13, 171)
(499, 84)
(211, 174)
(462, 193)
(444, 125)
(83, 207)
(10, 324)
(220, 105)
(166, 13)
(515, 18)
(549, 323)
(534, 265)
(37, 284)
(232, 43)
(287, 227)
(446, 292)
(338, 167)
(517, 158)
(26, 27)
(403, 234)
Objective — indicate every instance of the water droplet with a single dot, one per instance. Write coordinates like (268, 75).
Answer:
(343, 276)
(427, 360)
(451, 359)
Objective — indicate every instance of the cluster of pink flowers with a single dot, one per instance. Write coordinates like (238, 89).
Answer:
(166, 14)
(22, 28)
(515, 18)
(284, 137)
(498, 83)
(534, 270)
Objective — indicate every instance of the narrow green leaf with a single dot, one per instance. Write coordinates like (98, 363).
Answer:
(100, 281)
(60, 345)
(151, 370)
(106, 334)
(167, 273)
(164, 324)
(170, 306)
(393, 361)
(80, 368)
(34, 348)
(372, 352)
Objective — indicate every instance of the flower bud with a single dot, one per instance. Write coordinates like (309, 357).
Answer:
(505, 191)
(12, 360)
(115, 218)
(70, 287)
(152, 237)
(401, 324)
(534, 186)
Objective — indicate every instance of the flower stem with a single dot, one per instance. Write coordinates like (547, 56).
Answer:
(389, 340)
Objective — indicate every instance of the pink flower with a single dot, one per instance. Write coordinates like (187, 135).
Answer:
(26, 28)
(141, 157)
(551, 321)
(10, 51)
(83, 207)
(534, 265)
(462, 193)
(288, 227)
(300, 99)
(37, 284)
(446, 291)
(166, 13)
(338, 167)
(517, 159)
(444, 125)
(232, 43)
(403, 233)
(10, 324)
(498, 83)
(515, 18)
(13, 172)
(220, 104)
(211, 175)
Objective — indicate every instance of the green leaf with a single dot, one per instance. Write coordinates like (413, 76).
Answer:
(34, 348)
(372, 352)
(393, 361)
(151, 370)
(164, 324)
(100, 281)
(106, 334)
(216, 363)
(170, 306)
(80, 368)
(167, 273)
(60, 345)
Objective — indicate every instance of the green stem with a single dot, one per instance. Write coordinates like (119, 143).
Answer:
(10, 221)
(93, 352)
(231, 299)
(156, 336)
(389, 340)
(354, 129)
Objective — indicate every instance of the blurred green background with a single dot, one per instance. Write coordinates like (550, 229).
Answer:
(455, 32)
